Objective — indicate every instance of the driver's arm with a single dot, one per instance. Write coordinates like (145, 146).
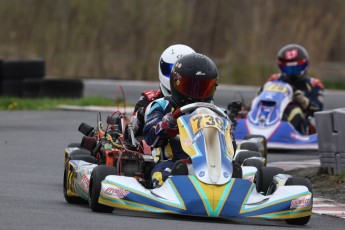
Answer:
(152, 119)
(316, 99)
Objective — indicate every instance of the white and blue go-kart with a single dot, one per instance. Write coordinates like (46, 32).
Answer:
(216, 184)
(266, 118)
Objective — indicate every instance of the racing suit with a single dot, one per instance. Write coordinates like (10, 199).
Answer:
(312, 89)
(145, 99)
(157, 137)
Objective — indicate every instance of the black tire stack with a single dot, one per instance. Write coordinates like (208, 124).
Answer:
(26, 78)
(21, 78)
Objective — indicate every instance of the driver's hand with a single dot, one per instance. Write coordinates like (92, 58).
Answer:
(169, 125)
(300, 99)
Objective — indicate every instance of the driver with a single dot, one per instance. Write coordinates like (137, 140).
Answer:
(168, 58)
(293, 61)
(194, 78)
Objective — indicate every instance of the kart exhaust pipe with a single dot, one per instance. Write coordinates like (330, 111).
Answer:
(85, 129)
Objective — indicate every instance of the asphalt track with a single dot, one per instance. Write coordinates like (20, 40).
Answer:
(31, 175)
(224, 95)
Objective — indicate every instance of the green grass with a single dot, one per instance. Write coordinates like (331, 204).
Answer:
(340, 85)
(13, 103)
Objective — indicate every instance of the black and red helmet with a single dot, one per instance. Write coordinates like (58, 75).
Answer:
(194, 78)
(293, 61)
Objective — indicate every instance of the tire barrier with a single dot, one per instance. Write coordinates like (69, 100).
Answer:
(12, 88)
(31, 87)
(20, 69)
(331, 139)
(56, 88)
(0, 77)
(14, 73)
(25, 78)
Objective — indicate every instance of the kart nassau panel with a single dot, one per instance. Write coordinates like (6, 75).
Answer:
(206, 139)
(78, 178)
(188, 195)
(265, 118)
(284, 136)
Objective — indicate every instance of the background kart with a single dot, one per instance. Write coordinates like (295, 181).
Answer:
(218, 183)
(266, 118)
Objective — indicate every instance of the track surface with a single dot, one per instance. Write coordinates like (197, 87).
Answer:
(31, 174)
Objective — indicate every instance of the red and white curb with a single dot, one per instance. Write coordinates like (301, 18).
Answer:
(321, 206)
(291, 165)
(328, 207)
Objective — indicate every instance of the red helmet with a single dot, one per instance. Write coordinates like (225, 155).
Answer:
(293, 61)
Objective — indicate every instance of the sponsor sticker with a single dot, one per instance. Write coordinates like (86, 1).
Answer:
(85, 181)
(116, 192)
(300, 203)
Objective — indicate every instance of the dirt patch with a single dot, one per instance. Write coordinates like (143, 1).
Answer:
(324, 185)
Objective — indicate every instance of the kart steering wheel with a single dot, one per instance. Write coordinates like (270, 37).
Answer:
(184, 109)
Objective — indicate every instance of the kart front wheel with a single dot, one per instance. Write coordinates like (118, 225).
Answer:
(97, 176)
(68, 175)
(264, 178)
(305, 182)
(68, 198)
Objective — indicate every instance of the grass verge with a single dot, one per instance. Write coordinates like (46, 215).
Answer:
(13, 103)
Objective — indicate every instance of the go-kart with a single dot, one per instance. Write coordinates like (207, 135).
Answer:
(114, 146)
(266, 118)
(218, 183)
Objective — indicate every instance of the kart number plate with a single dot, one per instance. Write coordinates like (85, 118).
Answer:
(201, 121)
(276, 88)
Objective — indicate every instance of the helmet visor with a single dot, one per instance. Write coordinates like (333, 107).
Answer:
(195, 87)
(165, 68)
(293, 68)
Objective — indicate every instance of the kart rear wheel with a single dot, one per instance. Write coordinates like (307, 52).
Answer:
(305, 182)
(80, 152)
(251, 146)
(253, 162)
(97, 176)
(74, 145)
(241, 156)
(262, 144)
(264, 178)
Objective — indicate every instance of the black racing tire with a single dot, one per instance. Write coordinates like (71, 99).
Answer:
(241, 156)
(251, 146)
(21, 69)
(82, 154)
(264, 143)
(307, 183)
(76, 155)
(264, 178)
(62, 88)
(97, 176)
(74, 145)
(70, 199)
(1, 77)
(253, 162)
(31, 87)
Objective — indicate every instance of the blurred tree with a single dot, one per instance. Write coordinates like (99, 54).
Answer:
(124, 38)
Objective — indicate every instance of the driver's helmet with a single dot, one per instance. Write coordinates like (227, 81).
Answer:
(167, 61)
(293, 61)
(194, 78)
